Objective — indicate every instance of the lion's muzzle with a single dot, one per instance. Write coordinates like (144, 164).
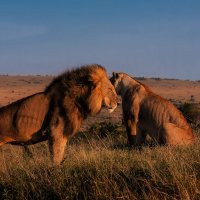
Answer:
(110, 110)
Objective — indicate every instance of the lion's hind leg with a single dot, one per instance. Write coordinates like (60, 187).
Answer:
(2, 143)
(27, 151)
(4, 140)
(175, 135)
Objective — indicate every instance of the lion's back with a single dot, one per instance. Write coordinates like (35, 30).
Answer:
(25, 116)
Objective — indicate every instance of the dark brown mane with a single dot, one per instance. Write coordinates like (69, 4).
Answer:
(76, 85)
(79, 76)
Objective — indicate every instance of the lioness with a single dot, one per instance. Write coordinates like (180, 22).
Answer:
(57, 113)
(147, 113)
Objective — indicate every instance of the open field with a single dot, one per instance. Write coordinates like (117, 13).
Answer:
(15, 87)
(98, 164)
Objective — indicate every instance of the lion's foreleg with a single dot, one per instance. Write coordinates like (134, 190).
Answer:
(57, 142)
(57, 148)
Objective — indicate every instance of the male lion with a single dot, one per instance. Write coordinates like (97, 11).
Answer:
(147, 113)
(57, 113)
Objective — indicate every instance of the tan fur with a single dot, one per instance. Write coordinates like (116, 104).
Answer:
(147, 113)
(58, 112)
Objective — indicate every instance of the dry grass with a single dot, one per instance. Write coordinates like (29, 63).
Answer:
(99, 165)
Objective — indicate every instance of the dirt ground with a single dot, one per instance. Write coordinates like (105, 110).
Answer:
(13, 88)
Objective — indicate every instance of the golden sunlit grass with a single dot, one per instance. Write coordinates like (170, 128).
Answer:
(99, 165)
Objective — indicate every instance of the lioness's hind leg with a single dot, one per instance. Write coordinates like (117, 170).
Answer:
(175, 135)
(141, 136)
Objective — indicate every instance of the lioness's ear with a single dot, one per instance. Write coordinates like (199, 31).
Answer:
(116, 75)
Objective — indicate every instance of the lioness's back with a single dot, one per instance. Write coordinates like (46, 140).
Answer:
(162, 111)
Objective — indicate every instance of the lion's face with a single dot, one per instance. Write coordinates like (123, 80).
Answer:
(102, 93)
(116, 80)
(110, 98)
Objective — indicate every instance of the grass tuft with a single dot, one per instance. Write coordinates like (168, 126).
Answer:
(102, 167)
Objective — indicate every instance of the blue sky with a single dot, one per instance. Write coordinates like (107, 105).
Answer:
(151, 38)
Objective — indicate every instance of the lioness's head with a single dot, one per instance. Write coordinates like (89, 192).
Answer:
(103, 92)
(117, 81)
(122, 81)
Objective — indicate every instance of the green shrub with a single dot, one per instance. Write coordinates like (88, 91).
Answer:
(191, 111)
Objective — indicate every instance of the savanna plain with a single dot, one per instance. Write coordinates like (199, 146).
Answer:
(98, 163)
